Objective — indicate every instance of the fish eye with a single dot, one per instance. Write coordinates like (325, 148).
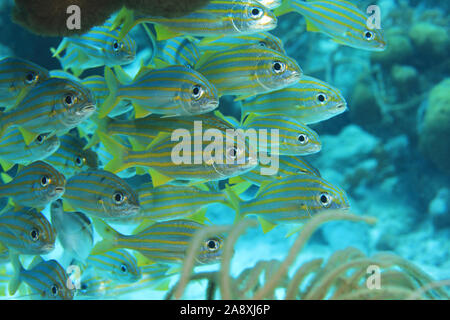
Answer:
(34, 234)
(45, 181)
(233, 152)
(40, 139)
(197, 92)
(325, 200)
(256, 13)
(303, 139)
(123, 268)
(212, 245)
(117, 45)
(322, 97)
(369, 35)
(278, 67)
(69, 100)
(31, 77)
(79, 161)
(262, 44)
(54, 290)
(118, 197)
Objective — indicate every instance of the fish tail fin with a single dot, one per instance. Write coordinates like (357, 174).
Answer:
(112, 100)
(102, 126)
(55, 52)
(109, 235)
(234, 201)
(16, 279)
(285, 7)
(118, 151)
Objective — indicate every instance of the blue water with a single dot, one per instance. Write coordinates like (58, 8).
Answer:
(380, 151)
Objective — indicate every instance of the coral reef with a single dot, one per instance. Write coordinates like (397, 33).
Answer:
(346, 274)
(433, 139)
(48, 17)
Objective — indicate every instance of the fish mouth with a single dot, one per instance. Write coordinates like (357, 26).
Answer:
(90, 108)
(212, 105)
(340, 108)
(59, 190)
(47, 248)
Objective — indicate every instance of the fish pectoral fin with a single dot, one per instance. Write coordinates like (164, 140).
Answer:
(311, 27)
(140, 111)
(266, 225)
(27, 135)
(158, 178)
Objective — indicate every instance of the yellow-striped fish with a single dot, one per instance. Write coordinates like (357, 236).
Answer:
(36, 185)
(164, 242)
(169, 202)
(178, 51)
(291, 199)
(56, 106)
(338, 19)
(27, 231)
(18, 76)
(100, 46)
(221, 162)
(71, 157)
(13, 148)
(227, 42)
(248, 70)
(46, 279)
(118, 265)
(295, 138)
(175, 90)
(217, 17)
(288, 166)
(101, 194)
(309, 101)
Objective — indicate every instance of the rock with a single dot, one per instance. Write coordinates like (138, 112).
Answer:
(430, 39)
(439, 209)
(406, 79)
(363, 107)
(398, 50)
(433, 140)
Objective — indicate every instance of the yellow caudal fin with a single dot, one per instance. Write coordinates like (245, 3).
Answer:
(124, 21)
(199, 216)
(112, 100)
(140, 111)
(285, 7)
(109, 235)
(18, 269)
(118, 151)
(102, 126)
(122, 75)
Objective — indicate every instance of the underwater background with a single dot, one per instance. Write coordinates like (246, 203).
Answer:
(390, 151)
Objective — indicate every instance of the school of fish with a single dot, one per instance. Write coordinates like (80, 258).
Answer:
(75, 145)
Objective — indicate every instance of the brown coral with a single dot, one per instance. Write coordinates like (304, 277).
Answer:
(49, 17)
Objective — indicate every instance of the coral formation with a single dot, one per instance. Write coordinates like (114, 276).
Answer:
(434, 140)
(48, 17)
(344, 276)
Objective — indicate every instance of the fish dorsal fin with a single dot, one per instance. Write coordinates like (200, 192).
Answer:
(164, 33)
(158, 139)
(241, 187)
(243, 97)
(230, 120)
(158, 178)
(122, 76)
(236, 180)
(262, 187)
(199, 216)
(35, 262)
(6, 178)
(159, 63)
(144, 225)
(266, 225)
(249, 118)
(204, 59)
